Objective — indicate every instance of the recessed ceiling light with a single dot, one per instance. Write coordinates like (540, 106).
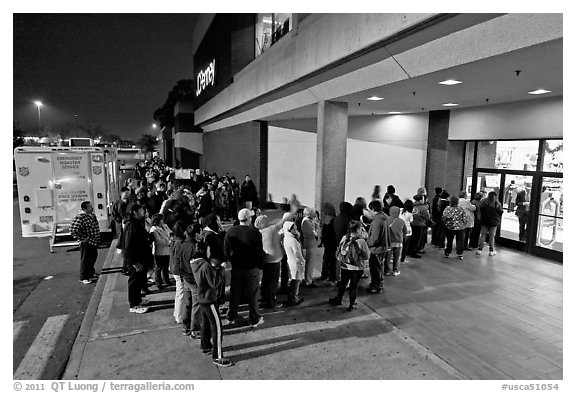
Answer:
(374, 98)
(394, 113)
(539, 91)
(450, 82)
(450, 104)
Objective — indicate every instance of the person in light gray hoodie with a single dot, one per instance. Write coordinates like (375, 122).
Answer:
(397, 233)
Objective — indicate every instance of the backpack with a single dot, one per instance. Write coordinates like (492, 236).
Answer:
(348, 252)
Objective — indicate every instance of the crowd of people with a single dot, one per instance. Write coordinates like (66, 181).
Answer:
(167, 226)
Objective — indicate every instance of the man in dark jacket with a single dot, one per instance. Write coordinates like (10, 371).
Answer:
(209, 275)
(248, 192)
(119, 211)
(244, 249)
(391, 199)
(138, 256)
(185, 254)
(378, 244)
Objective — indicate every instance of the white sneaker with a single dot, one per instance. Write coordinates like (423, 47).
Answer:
(478, 252)
(260, 322)
(139, 309)
(492, 253)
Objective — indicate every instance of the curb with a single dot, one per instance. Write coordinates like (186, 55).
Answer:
(77, 353)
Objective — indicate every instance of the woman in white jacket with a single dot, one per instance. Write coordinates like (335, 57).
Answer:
(296, 261)
(161, 250)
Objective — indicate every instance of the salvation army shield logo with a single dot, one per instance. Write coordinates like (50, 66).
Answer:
(97, 170)
(24, 171)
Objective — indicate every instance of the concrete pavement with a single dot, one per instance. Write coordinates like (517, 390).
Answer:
(310, 341)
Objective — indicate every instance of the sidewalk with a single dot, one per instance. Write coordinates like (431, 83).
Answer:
(311, 341)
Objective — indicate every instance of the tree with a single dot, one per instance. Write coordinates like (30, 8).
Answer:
(17, 137)
(147, 143)
(182, 91)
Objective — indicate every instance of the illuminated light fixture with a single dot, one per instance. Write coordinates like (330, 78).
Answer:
(450, 104)
(450, 82)
(374, 98)
(394, 113)
(539, 91)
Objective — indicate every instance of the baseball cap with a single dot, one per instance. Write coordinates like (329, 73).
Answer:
(245, 214)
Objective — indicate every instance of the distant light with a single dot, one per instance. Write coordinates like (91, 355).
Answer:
(450, 82)
(394, 113)
(154, 125)
(374, 98)
(450, 104)
(38, 103)
(539, 91)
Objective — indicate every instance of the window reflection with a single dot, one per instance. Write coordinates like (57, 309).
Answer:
(553, 156)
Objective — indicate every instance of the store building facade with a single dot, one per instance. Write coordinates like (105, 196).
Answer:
(325, 106)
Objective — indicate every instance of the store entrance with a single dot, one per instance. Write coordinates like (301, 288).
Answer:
(533, 209)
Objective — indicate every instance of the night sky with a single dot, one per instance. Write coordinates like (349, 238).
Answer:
(111, 69)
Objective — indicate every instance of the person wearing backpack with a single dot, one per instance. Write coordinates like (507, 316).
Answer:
(351, 253)
(397, 234)
(379, 245)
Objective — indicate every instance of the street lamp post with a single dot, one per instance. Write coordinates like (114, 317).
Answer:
(39, 105)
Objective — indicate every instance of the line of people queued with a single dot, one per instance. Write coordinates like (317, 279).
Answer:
(176, 228)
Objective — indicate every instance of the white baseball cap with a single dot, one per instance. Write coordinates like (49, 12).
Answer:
(245, 214)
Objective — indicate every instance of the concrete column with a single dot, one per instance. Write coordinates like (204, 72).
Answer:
(444, 158)
(331, 153)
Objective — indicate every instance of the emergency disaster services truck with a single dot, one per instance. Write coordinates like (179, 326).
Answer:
(54, 181)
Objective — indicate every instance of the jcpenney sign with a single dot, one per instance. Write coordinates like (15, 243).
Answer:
(205, 78)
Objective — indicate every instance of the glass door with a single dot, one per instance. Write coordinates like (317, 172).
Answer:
(550, 228)
(517, 204)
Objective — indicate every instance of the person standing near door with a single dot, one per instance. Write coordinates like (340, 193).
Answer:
(523, 213)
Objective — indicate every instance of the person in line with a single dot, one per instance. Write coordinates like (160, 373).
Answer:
(248, 193)
(407, 216)
(191, 310)
(209, 275)
(161, 250)
(523, 213)
(328, 239)
(455, 221)
(295, 261)
(379, 246)
(420, 217)
(213, 229)
(243, 248)
(273, 255)
(490, 216)
(346, 211)
(309, 244)
(443, 203)
(178, 236)
(352, 252)
(437, 218)
(85, 229)
(137, 255)
(119, 211)
(395, 200)
(475, 233)
(397, 234)
(376, 194)
(470, 210)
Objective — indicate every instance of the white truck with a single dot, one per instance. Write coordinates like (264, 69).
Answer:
(54, 181)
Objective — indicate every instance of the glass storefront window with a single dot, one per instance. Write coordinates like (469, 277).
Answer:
(469, 167)
(282, 24)
(518, 155)
(551, 213)
(263, 33)
(553, 156)
(269, 29)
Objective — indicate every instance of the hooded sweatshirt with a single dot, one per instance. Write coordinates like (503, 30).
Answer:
(397, 227)
(210, 281)
(379, 234)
